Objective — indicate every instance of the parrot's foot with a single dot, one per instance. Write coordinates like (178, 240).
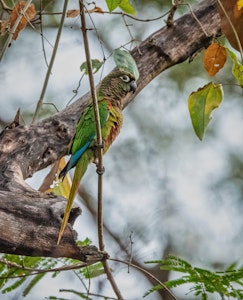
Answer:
(100, 146)
(100, 171)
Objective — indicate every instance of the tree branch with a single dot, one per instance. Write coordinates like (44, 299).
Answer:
(27, 149)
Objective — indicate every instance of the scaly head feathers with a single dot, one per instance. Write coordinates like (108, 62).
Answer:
(116, 85)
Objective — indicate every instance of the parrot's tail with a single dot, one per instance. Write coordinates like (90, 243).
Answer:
(81, 168)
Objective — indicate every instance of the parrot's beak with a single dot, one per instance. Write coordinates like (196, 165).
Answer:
(133, 86)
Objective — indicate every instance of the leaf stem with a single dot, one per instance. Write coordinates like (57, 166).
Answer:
(53, 56)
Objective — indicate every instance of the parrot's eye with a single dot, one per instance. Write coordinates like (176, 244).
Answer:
(125, 78)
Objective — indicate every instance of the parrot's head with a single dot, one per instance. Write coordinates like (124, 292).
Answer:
(117, 85)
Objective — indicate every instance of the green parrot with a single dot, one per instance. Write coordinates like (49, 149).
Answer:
(112, 89)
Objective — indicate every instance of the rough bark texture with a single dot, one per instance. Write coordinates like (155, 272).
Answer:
(30, 220)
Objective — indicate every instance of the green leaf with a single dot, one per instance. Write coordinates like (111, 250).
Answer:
(237, 68)
(201, 103)
(124, 5)
(125, 62)
(94, 270)
(127, 7)
(112, 4)
(96, 65)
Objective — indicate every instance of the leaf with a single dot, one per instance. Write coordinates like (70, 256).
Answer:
(61, 188)
(125, 62)
(27, 16)
(96, 9)
(238, 9)
(73, 13)
(112, 4)
(96, 65)
(237, 68)
(232, 10)
(51, 184)
(127, 7)
(239, 4)
(201, 103)
(124, 5)
(93, 271)
(214, 58)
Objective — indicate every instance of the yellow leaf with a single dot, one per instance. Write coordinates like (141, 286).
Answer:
(239, 4)
(214, 58)
(52, 184)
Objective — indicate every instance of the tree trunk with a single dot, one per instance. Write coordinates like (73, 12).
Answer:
(30, 220)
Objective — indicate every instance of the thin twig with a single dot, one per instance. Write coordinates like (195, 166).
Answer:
(84, 294)
(97, 124)
(117, 13)
(99, 151)
(42, 35)
(48, 73)
(147, 274)
(4, 5)
(34, 271)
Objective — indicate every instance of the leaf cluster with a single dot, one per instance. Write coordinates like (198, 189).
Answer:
(16, 270)
(14, 273)
(204, 282)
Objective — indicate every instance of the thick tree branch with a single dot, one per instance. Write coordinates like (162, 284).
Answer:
(27, 149)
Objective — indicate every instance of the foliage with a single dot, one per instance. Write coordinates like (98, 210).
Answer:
(203, 101)
(124, 5)
(228, 283)
(96, 65)
(15, 270)
(231, 14)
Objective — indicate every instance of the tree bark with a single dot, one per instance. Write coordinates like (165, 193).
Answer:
(30, 220)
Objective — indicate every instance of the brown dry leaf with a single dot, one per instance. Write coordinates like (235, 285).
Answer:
(96, 9)
(214, 58)
(234, 10)
(17, 10)
(73, 13)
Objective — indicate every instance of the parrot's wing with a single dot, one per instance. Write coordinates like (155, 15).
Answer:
(86, 129)
(85, 133)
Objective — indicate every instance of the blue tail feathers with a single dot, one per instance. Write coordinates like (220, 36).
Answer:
(73, 160)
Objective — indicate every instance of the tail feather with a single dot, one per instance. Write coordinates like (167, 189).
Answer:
(81, 168)
(74, 159)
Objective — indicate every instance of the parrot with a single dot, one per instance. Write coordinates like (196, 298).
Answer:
(112, 89)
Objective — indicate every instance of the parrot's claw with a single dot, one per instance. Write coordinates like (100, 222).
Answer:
(100, 146)
(100, 171)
